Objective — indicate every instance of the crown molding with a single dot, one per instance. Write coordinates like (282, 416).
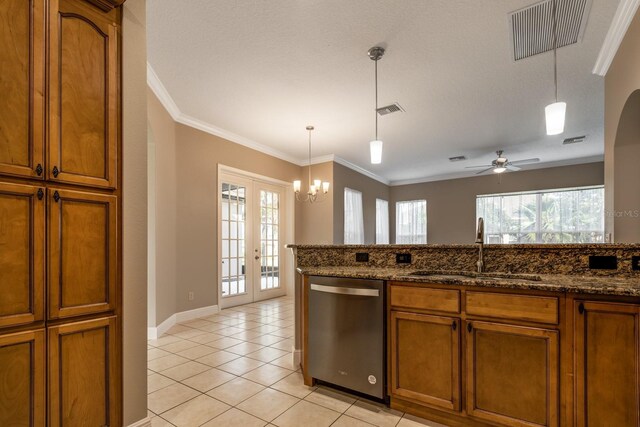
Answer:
(360, 170)
(178, 116)
(619, 26)
(531, 167)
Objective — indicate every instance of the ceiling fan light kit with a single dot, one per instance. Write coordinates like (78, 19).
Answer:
(501, 164)
(375, 146)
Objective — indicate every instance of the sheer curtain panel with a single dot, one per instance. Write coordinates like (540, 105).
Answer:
(411, 222)
(353, 217)
(382, 221)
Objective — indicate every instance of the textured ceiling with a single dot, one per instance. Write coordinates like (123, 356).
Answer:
(264, 70)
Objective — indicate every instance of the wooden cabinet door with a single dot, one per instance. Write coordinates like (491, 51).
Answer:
(83, 382)
(607, 361)
(512, 374)
(22, 262)
(82, 253)
(83, 94)
(22, 379)
(425, 359)
(22, 87)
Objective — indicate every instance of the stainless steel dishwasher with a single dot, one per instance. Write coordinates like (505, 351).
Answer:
(347, 333)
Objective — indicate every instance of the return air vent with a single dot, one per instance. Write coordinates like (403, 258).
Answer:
(457, 158)
(574, 140)
(388, 109)
(532, 27)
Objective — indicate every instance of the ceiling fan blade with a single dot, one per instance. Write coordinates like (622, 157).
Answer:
(480, 166)
(525, 161)
(486, 170)
(512, 168)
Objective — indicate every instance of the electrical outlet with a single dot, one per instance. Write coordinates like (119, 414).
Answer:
(191, 295)
(362, 256)
(403, 258)
(635, 262)
(607, 262)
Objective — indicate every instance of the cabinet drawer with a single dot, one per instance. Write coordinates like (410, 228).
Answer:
(509, 306)
(445, 300)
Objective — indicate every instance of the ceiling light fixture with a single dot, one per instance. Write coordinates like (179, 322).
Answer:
(555, 112)
(375, 53)
(315, 186)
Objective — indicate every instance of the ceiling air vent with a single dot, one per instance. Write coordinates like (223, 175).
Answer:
(574, 140)
(457, 158)
(532, 27)
(388, 109)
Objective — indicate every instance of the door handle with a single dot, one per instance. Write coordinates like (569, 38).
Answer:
(345, 291)
(257, 257)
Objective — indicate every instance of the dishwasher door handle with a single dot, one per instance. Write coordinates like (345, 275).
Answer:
(345, 291)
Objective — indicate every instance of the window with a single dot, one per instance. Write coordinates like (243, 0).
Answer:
(353, 217)
(382, 221)
(556, 216)
(411, 222)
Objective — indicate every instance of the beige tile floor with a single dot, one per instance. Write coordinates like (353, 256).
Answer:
(235, 369)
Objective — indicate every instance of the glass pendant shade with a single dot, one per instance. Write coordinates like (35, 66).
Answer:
(325, 187)
(297, 184)
(554, 114)
(376, 151)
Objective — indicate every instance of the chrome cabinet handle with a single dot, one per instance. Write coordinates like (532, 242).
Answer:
(345, 291)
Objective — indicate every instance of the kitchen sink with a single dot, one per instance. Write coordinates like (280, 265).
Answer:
(475, 275)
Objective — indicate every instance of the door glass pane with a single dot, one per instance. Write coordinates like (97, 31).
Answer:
(269, 240)
(233, 245)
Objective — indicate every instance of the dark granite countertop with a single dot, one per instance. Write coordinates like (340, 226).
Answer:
(600, 285)
(475, 246)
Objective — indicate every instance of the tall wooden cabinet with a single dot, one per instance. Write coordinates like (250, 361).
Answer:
(60, 221)
(607, 359)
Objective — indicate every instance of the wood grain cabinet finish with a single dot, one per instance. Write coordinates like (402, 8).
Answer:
(425, 359)
(83, 94)
(22, 379)
(512, 374)
(22, 263)
(22, 54)
(607, 359)
(82, 253)
(83, 384)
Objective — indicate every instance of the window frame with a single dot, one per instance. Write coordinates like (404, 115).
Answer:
(397, 223)
(598, 235)
(359, 227)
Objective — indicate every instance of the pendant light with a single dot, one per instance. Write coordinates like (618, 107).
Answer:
(555, 112)
(375, 53)
(315, 186)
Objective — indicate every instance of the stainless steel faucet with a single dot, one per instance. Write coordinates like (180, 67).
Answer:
(480, 242)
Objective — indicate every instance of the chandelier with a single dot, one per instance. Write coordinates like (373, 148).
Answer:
(315, 187)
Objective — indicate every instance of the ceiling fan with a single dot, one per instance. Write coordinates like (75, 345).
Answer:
(502, 164)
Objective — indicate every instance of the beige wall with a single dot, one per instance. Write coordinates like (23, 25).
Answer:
(451, 204)
(622, 155)
(162, 131)
(314, 221)
(134, 243)
(197, 157)
(371, 190)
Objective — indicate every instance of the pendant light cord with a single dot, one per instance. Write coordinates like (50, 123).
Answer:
(309, 158)
(376, 110)
(555, 48)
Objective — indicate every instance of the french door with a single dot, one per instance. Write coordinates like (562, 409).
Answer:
(251, 217)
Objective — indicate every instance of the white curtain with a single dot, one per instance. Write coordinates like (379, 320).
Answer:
(411, 222)
(382, 221)
(353, 217)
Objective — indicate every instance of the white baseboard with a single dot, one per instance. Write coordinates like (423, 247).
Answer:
(154, 333)
(145, 422)
(296, 355)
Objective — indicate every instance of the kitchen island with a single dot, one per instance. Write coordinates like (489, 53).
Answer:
(513, 348)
